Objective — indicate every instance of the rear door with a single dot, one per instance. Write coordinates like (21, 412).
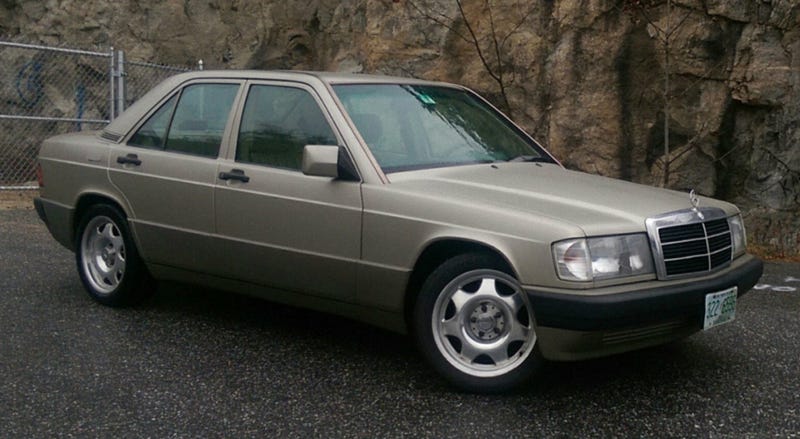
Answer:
(167, 170)
(277, 226)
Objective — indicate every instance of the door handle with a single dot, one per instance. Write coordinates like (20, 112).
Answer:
(234, 174)
(130, 159)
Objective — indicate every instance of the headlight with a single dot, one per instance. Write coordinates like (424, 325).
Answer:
(738, 235)
(588, 259)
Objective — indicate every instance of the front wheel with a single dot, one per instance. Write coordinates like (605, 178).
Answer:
(475, 326)
(108, 262)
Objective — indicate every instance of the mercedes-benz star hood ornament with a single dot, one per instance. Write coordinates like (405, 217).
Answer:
(695, 200)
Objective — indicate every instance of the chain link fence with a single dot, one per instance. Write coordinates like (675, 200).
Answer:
(140, 77)
(52, 90)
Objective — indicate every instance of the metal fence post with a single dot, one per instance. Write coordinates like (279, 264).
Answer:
(120, 81)
(112, 73)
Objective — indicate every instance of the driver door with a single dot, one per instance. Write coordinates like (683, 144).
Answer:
(275, 225)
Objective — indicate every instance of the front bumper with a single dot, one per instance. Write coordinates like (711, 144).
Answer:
(575, 326)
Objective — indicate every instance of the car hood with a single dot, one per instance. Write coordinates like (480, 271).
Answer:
(596, 204)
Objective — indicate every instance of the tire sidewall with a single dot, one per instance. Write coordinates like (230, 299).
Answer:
(435, 285)
(131, 288)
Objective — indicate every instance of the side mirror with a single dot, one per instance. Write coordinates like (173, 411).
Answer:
(328, 161)
(321, 160)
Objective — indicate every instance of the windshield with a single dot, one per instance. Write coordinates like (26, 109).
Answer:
(419, 126)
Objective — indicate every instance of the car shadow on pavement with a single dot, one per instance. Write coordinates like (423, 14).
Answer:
(241, 311)
(661, 373)
(346, 341)
(293, 331)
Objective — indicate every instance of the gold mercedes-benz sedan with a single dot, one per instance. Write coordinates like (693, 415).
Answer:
(411, 205)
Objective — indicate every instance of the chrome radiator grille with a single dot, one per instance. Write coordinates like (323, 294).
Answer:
(686, 242)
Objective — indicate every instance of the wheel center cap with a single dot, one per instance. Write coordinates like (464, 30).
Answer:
(485, 323)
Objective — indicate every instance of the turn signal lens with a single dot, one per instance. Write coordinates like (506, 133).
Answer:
(572, 260)
(738, 235)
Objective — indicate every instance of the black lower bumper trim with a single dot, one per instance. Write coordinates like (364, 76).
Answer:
(39, 206)
(620, 310)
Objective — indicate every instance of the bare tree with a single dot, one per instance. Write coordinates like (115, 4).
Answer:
(490, 45)
(665, 35)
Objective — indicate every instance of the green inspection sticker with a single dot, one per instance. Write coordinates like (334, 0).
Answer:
(425, 99)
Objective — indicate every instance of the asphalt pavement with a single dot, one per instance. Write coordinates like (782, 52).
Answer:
(193, 362)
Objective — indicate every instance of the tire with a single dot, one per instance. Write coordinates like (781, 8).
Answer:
(475, 326)
(108, 263)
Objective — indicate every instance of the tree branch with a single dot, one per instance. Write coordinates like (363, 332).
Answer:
(495, 43)
(440, 21)
(476, 42)
(518, 25)
(775, 157)
(680, 23)
(500, 73)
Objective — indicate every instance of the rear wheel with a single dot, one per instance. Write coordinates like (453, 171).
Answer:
(108, 262)
(474, 324)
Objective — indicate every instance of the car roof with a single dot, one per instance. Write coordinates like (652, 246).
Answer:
(327, 77)
(122, 124)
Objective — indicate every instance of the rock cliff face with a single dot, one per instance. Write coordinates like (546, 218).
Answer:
(585, 77)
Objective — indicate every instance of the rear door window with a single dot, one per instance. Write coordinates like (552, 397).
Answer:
(194, 125)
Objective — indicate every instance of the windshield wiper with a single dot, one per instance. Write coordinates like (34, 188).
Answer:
(527, 158)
